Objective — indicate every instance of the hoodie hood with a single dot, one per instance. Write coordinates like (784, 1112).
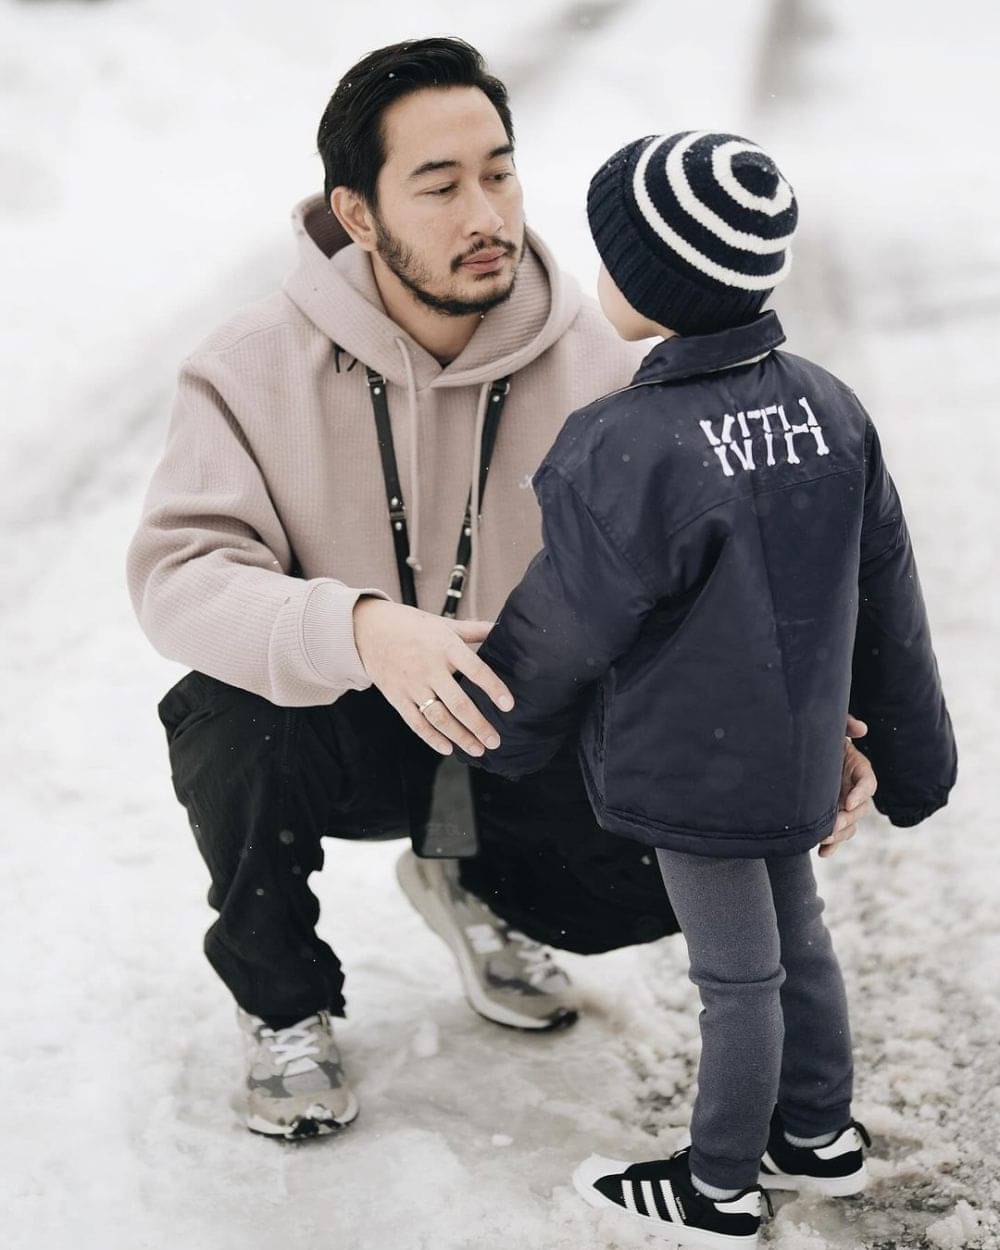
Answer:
(333, 285)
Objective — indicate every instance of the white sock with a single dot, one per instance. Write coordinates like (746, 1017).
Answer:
(712, 1191)
(809, 1142)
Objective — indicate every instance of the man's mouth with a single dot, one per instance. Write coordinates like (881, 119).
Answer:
(489, 261)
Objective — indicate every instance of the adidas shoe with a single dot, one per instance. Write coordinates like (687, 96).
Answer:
(836, 1170)
(661, 1196)
(294, 1079)
(506, 977)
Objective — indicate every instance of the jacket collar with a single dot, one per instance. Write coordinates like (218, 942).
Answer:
(690, 355)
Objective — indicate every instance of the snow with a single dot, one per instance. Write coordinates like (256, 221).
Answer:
(150, 158)
(427, 1039)
(956, 1231)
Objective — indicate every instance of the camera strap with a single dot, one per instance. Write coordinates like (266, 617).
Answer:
(394, 494)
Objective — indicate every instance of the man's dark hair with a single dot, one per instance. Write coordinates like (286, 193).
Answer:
(351, 140)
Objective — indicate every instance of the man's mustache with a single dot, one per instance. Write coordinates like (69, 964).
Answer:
(504, 245)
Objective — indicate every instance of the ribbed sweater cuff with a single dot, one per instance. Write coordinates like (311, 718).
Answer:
(328, 633)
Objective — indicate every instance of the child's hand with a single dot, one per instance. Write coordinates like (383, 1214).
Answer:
(858, 784)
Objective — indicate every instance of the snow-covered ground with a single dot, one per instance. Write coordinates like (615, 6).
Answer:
(150, 153)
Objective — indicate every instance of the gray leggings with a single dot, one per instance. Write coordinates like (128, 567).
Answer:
(774, 1024)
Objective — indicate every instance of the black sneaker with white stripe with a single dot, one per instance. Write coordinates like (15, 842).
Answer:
(661, 1196)
(836, 1170)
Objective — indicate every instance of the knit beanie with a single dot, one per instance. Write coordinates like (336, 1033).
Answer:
(694, 228)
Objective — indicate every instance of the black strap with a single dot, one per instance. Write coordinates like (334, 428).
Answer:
(393, 490)
(456, 582)
(394, 494)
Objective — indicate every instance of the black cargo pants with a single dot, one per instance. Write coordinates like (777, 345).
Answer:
(263, 785)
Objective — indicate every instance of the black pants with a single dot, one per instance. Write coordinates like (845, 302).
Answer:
(263, 785)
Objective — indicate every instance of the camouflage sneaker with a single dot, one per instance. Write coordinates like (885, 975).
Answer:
(506, 977)
(294, 1079)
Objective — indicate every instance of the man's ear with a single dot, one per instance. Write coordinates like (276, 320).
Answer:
(355, 216)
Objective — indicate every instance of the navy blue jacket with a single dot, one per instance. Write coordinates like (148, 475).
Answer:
(726, 571)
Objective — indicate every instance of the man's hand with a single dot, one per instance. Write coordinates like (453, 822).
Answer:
(857, 786)
(412, 656)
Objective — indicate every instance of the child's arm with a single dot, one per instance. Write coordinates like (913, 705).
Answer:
(578, 607)
(896, 687)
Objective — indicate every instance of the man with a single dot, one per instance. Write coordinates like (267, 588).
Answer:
(341, 509)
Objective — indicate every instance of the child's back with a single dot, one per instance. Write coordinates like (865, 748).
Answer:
(724, 538)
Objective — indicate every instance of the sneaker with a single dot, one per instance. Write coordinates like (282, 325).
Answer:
(506, 977)
(835, 1170)
(661, 1197)
(295, 1081)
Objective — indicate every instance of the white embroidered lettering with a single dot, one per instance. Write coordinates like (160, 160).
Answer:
(762, 415)
(723, 443)
(721, 446)
(815, 429)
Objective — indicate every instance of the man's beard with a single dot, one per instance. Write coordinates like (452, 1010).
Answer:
(415, 276)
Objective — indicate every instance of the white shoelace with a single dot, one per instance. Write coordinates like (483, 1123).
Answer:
(297, 1041)
(537, 958)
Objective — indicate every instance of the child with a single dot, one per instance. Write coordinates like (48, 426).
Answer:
(725, 573)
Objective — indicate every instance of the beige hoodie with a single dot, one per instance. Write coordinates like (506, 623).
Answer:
(266, 518)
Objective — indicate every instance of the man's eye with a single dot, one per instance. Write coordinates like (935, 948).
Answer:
(501, 177)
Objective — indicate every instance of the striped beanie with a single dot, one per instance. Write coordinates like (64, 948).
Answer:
(694, 228)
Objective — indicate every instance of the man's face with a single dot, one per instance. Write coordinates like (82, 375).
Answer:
(450, 218)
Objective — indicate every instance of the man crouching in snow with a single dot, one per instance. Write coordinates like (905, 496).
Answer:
(337, 516)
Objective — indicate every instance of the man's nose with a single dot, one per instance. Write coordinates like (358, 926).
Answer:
(481, 215)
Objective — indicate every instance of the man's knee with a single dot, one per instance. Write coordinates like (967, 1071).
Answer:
(328, 769)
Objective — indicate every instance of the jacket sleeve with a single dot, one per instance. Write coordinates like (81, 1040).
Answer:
(896, 686)
(210, 568)
(579, 606)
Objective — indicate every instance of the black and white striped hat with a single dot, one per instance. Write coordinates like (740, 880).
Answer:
(694, 228)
